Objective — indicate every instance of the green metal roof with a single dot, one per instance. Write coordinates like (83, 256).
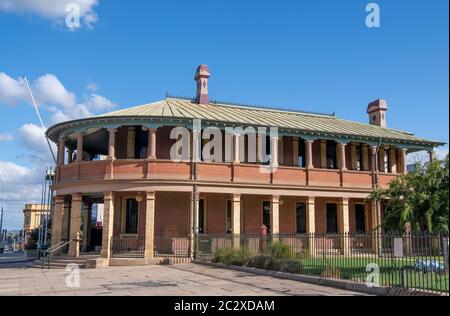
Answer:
(172, 109)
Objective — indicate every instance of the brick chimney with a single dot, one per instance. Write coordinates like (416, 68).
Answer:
(201, 76)
(377, 112)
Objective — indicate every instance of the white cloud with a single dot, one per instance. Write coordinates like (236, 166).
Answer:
(12, 91)
(6, 137)
(51, 91)
(98, 103)
(52, 96)
(22, 185)
(53, 10)
(33, 139)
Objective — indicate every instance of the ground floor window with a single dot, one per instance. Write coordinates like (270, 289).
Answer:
(201, 216)
(301, 218)
(131, 216)
(266, 215)
(229, 210)
(332, 221)
(360, 218)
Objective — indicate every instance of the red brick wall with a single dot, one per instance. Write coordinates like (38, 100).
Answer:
(252, 207)
(288, 224)
(216, 213)
(172, 213)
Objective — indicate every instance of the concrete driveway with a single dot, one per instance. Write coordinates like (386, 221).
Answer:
(176, 280)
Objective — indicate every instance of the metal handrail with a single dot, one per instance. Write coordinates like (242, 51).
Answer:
(49, 252)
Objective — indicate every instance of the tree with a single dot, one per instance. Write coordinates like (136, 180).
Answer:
(420, 198)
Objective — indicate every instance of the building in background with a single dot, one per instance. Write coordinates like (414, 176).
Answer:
(32, 214)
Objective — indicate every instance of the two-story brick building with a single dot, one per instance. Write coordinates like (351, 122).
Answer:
(322, 169)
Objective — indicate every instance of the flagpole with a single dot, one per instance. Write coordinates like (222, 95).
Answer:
(40, 119)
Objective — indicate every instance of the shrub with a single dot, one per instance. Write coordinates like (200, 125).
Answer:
(279, 250)
(231, 256)
(263, 262)
(291, 266)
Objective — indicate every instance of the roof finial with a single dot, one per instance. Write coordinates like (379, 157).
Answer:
(201, 76)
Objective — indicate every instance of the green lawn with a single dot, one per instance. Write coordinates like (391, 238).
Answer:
(390, 271)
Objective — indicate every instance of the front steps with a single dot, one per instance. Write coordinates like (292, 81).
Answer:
(61, 262)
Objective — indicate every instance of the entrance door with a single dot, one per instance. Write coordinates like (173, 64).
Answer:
(332, 221)
(300, 213)
(360, 219)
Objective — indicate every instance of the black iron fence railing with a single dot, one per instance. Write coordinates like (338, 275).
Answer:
(172, 247)
(127, 247)
(412, 261)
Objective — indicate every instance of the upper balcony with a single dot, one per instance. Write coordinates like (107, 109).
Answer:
(136, 153)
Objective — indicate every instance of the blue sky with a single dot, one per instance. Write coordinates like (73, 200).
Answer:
(315, 55)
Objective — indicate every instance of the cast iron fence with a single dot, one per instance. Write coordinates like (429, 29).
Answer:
(172, 247)
(127, 247)
(412, 261)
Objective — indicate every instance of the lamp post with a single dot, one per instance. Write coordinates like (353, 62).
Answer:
(1, 215)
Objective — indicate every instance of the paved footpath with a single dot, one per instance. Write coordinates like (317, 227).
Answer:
(176, 280)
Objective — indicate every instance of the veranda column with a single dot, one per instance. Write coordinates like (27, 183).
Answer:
(344, 225)
(57, 220)
(393, 160)
(365, 157)
(374, 227)
(65, 221)
(342, 164)
(75, 224)
(86, 225)
(295, 151)
(236, 220)
(108, 224)
(311, 224)
(381, 160)
(79, 147)
(403, 160)
(431, 155)
(353, 161)
(112, 143)
(275, 215)
(323, 153)
(152, 143)
(149, 225)
(274, 151)
(280, 150)
(373, 152)
(193, 221)
(236, 147)
(61, 152)
(309, 154)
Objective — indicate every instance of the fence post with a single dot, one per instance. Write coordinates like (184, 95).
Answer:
(263, 239)
(445, 253)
